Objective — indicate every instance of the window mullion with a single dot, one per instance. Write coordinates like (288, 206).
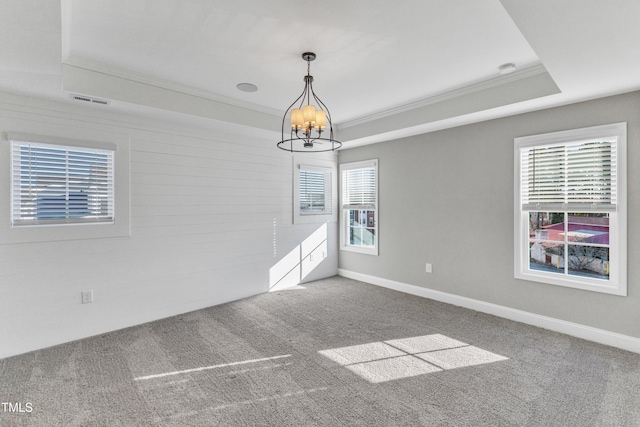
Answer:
(566, 244)
(66, 204)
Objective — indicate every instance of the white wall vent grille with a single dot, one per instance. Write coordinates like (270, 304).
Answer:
(89, 99)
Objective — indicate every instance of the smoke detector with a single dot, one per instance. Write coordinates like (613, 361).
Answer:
(507, 68)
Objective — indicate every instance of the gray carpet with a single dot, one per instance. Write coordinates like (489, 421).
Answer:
(335, 352)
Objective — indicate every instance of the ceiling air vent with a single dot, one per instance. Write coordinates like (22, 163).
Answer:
(90, 100)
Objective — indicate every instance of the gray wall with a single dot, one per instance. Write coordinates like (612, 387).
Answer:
(447, 198)
(211, 221)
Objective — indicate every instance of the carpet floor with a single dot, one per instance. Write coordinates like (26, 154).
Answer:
(335, 352)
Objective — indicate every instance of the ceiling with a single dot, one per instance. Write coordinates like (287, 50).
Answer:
(385, 69)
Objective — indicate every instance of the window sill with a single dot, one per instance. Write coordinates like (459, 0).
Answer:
(366, 251)
(594, 285)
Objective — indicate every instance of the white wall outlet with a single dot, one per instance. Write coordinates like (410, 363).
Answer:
(429, 268)
(87, 296)
(311, 257)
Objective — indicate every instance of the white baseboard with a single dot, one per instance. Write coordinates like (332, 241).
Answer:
(601, 336)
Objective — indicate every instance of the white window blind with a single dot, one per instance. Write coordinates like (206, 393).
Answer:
(57, 184)
(315, 191)
(359, 187)
(574, 176)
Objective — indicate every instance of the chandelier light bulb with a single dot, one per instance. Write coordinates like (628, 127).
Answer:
(321, 120)
(309, 114)
(297, 122)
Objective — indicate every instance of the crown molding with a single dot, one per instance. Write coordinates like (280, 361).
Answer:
(448, 95)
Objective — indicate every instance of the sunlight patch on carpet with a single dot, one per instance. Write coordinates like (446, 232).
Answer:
(409, 357)
(206, 368)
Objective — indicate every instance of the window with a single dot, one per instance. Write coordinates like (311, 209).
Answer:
(315, 191)
(314, 194)
(359, 227)
(56, 184)
(570, 215)
(73, 185)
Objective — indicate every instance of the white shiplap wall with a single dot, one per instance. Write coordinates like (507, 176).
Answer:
(211, 216)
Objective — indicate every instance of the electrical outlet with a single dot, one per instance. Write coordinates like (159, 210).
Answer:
(87, 296)
(311, 257)
(429, 268)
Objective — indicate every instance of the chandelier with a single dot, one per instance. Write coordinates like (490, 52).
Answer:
(310, 127)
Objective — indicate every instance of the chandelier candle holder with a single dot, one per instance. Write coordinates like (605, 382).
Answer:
(309, 128)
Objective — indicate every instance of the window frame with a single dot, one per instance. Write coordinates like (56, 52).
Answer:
(345, 210)
(311, 163)
(64, 231)
(617, 282)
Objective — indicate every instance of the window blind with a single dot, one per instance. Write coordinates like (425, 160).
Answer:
(315, 191)
(574, 176)
(55, 184)
(359, 188)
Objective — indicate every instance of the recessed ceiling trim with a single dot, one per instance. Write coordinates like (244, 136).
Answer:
(146, 79)
(81, 80)
(450, 94)
(450, 109)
